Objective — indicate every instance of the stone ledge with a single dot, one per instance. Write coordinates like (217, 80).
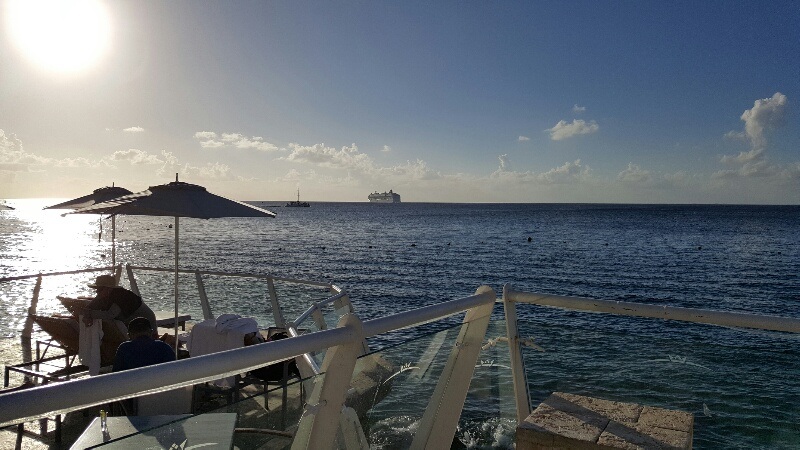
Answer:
(578, 422)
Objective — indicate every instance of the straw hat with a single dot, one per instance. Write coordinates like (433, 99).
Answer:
(104, 281)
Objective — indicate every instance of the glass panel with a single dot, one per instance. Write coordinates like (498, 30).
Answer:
(388, 395)
(222, 416)
(740, 385)
(392, 387)
(489, 419)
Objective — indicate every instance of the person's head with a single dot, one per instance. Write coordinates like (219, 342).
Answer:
(103, 285)
(139, 326)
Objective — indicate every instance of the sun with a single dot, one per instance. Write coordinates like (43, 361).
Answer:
(64, 36)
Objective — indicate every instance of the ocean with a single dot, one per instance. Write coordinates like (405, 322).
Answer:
(741, 385)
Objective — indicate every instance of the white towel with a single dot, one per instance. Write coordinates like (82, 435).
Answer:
(225, 333)
(89, 344)
(244, 325)
(235, 327)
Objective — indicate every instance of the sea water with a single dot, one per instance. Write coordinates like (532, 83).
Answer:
(741, 385)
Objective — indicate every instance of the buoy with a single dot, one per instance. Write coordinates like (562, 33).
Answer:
(529, 239)
(102, 256)
(413, 245)
(699, 247)
(169, 226)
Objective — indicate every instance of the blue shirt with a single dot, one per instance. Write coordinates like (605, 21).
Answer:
(142, 351)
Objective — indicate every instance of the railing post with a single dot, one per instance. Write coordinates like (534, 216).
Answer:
(117, 271)
(277, 313)
(438, 424)
(132, 280)
(318, 317)
(521, 395)
(27, 329)
(201, 291)
(344, 302)
(320, 421)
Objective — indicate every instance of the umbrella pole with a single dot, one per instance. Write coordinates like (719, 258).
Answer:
(113, 237)
(175, 324)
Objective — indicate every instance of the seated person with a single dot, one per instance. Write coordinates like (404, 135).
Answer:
(141, 350)
(116, 303)
(274, 372)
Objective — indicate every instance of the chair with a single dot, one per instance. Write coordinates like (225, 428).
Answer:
(205, 339)
(278, 373)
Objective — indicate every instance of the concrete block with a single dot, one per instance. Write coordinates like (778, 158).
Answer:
(579, 422)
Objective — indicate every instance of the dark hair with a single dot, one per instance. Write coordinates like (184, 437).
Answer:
(279, 335)
(139, 325)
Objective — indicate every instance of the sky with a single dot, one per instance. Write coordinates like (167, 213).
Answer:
(447, 101)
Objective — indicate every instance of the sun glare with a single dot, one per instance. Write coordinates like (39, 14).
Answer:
(65, 36)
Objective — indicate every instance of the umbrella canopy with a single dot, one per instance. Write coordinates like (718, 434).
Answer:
(98, 196)
(176, 199)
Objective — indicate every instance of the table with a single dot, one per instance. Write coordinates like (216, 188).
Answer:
(209, 431)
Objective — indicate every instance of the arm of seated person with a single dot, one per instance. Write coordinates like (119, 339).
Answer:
(91, 314)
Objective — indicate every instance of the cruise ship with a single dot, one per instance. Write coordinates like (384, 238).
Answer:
(386, 197)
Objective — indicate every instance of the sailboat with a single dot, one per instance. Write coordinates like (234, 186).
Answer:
(298, 203)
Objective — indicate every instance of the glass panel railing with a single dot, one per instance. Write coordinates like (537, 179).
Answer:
(489, 418)
(391, 389)
(740, 385)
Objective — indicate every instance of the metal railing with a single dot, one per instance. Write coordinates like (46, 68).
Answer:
(720, 318)
(343, 344)
(321, 418)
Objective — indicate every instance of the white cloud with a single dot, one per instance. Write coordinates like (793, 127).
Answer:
(386, 149)
(134, 130)
(567, 172)
(564, 130)
(578, 109)
(352, 160)
(319, 154)
(635, 174)
(766, 114)
(205, 135)
(503, 162)
(743, 157)
(210, 171)
(80, 162)
(209, 139)
(735, 135)
(135, 157)
(292, 176)
(13, 156)
(410, 171)
(523, 138)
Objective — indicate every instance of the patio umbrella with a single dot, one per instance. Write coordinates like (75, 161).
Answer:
(176, 199)
(98, 196)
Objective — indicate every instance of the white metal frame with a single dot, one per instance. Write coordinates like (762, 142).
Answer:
(323, 413)
(344, 344)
